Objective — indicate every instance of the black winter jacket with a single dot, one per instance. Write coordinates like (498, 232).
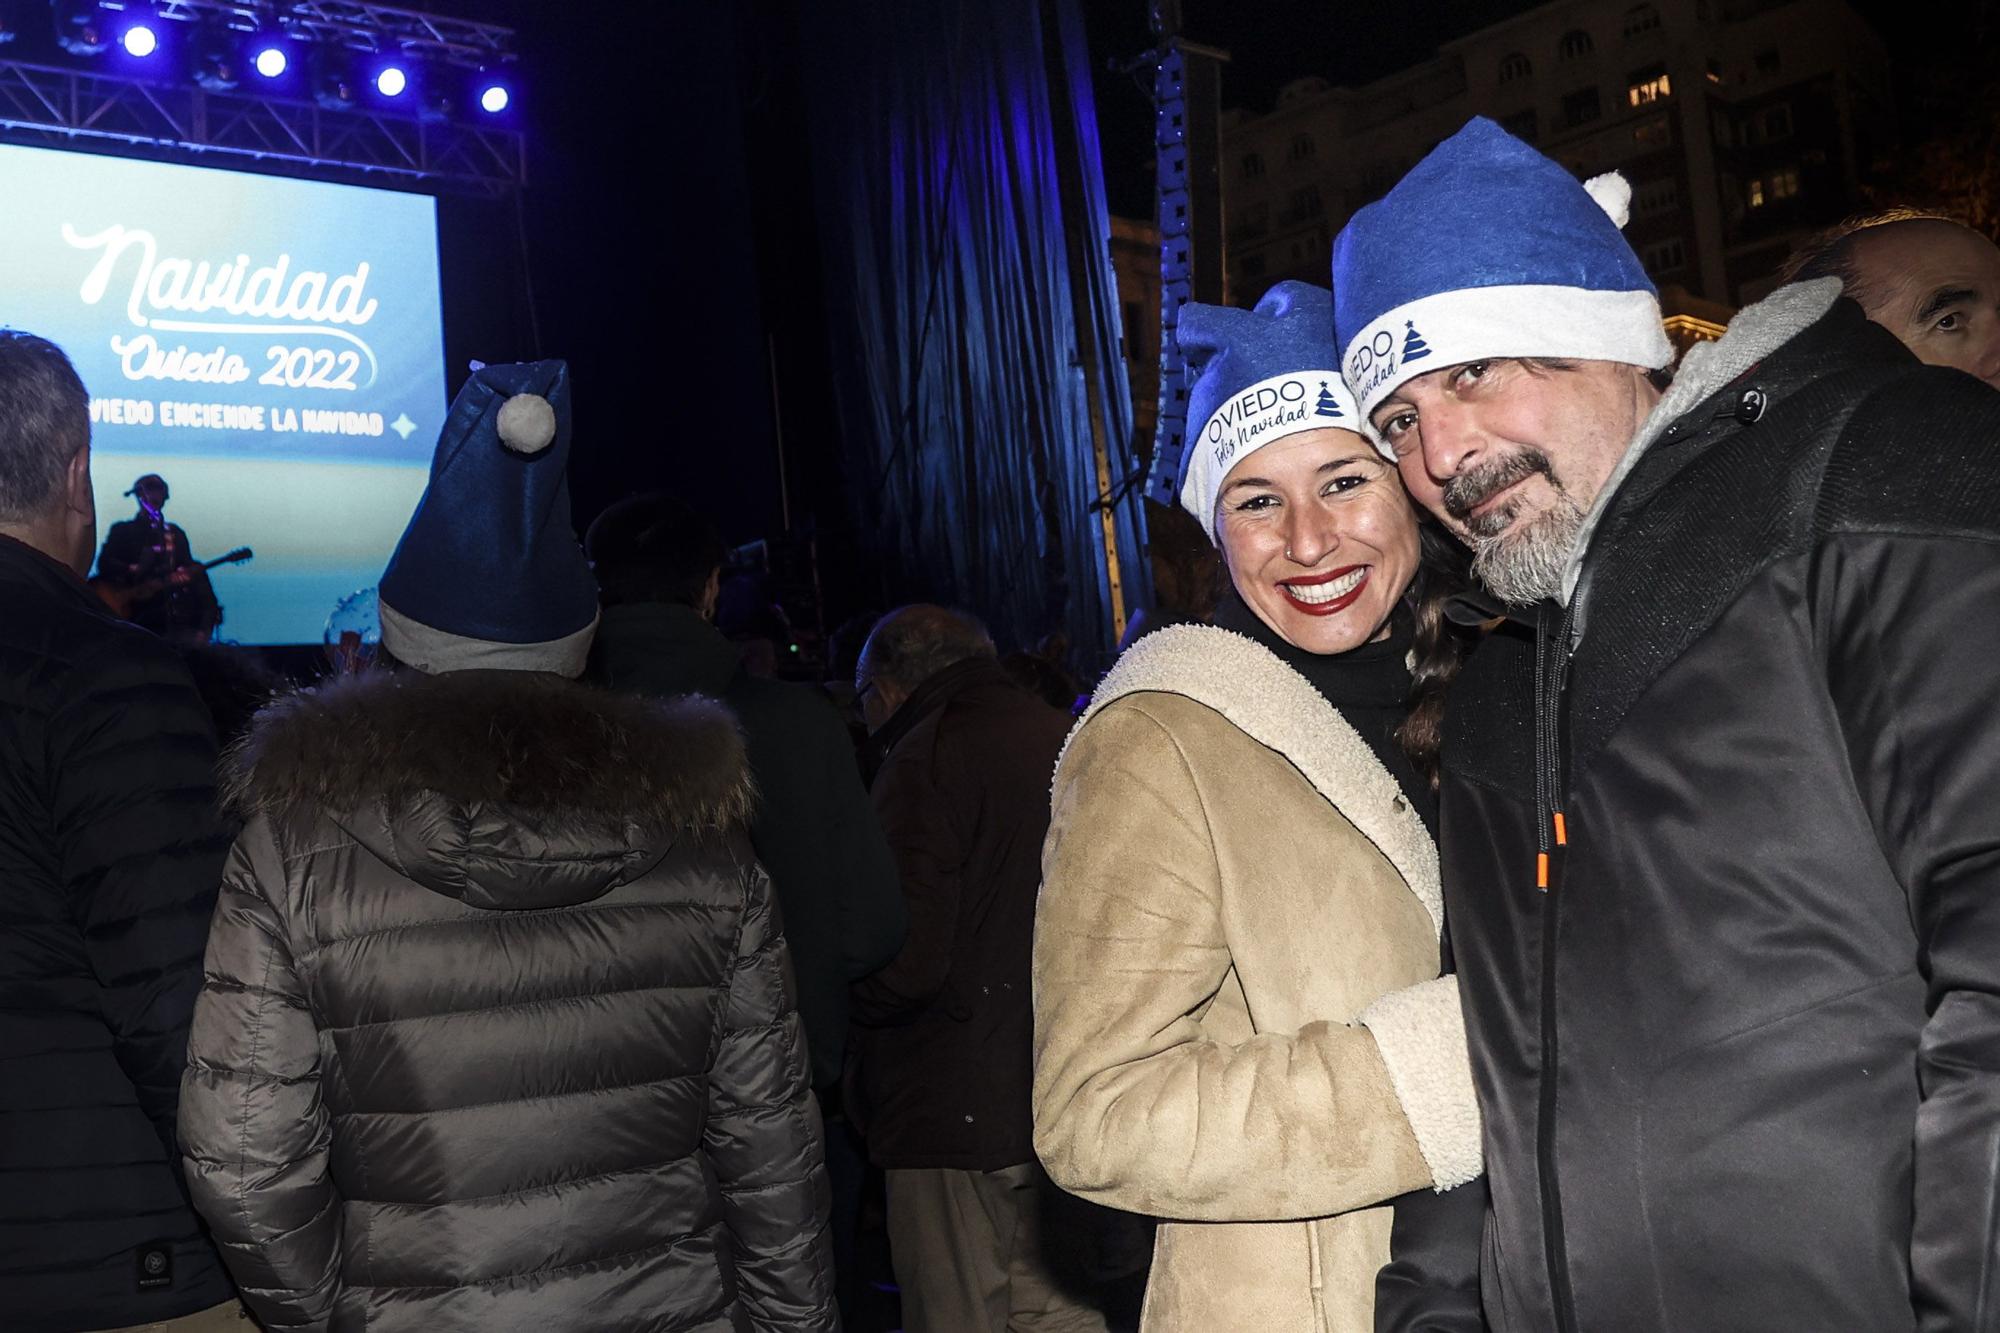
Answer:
(813, 828)
(111, 851)
(1740, 1062)
(498, 1032)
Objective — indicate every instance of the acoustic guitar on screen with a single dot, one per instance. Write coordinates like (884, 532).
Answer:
(120, 601)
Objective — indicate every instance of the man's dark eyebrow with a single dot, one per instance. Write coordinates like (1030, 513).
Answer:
(1943, 299)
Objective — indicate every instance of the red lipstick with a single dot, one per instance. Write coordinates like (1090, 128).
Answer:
(1329, 608)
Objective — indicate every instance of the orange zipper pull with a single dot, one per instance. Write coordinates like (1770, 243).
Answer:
(1562, 832)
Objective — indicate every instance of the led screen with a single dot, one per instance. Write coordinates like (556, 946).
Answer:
(271, 347)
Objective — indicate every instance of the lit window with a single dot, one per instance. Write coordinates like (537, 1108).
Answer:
(1756, 194)
(1785, 183)
(1514, 66)
(1575, 42)
(1643, 86)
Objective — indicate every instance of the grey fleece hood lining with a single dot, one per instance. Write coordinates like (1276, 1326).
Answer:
(1755, 333)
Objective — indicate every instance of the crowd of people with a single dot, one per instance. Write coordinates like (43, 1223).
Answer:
(1558, 888)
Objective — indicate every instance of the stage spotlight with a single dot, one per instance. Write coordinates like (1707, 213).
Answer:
(391, 80)
(139, 40)
(80, 27)
(271, 60)
(493, 98)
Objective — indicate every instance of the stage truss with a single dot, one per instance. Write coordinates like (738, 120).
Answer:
(46, 103)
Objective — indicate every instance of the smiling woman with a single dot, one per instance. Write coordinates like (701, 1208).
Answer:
(1319, 539)
(1242, 1033)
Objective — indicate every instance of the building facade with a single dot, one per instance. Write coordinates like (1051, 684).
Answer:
(1742, 125)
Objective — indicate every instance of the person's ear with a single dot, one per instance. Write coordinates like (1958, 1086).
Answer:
(78, 496)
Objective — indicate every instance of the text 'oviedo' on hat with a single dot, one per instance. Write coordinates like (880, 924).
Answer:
(1256, 376)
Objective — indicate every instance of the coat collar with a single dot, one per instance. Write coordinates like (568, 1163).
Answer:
(937, 691)
(1280, 710)
(1755, 333)
(663, 648)
(46, 569)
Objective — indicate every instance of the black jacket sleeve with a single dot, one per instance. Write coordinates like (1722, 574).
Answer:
(763, 1135)
(142, 846)
(255, 1127)
(1431, 1282)
(1906, 603)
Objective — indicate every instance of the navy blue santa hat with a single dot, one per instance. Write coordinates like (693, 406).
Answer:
(1489, 249)
(1256, 376)
(489, 574)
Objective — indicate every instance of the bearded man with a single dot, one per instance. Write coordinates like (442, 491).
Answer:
(1721, 796)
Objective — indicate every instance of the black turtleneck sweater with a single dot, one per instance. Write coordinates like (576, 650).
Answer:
(1369, 686)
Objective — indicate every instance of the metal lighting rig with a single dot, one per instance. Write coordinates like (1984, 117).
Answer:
(355, 87)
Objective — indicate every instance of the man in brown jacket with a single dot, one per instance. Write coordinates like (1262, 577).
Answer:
(946, 1030)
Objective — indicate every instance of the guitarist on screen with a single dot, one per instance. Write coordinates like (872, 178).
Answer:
(149, 576)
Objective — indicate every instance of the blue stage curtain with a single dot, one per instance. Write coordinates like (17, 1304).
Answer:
(962, 400)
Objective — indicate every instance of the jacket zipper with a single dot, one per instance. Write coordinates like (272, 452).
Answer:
(1552, 654)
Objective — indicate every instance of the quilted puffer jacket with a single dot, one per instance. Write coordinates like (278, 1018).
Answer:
(498, 1028)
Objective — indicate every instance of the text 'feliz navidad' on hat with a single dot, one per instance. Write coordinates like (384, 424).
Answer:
(489, 575)
(1489, 249)
(1256, 376)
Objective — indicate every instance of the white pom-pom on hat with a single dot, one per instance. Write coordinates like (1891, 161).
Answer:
(1613, 194)
(527, 423)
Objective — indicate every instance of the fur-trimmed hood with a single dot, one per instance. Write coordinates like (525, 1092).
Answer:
(506, 789)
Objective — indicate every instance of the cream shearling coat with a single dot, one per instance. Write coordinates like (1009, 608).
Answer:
(1238, 1022)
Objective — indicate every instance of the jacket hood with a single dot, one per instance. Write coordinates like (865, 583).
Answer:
(1756, 332)
(504, 789)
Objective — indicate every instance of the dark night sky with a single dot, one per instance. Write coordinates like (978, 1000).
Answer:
(1271, 42)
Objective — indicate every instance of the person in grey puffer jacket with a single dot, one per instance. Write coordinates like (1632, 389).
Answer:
(499, 1030)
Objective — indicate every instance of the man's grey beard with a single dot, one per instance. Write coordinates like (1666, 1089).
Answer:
(1520, 561)
(1524, 562)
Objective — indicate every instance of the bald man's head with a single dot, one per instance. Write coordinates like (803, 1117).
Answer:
(1932, 282)
(909, 646)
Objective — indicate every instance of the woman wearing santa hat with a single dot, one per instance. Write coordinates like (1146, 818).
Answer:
(1240, 1026)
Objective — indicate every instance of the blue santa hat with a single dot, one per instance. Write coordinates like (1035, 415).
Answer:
(1256, 376)
(1489, 249)
(489, 574)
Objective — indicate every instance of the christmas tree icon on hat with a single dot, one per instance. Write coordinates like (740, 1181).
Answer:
(1326, 406)
(1414, 346)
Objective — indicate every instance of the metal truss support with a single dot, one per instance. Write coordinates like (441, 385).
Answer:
(37, 101)
(355, 23)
